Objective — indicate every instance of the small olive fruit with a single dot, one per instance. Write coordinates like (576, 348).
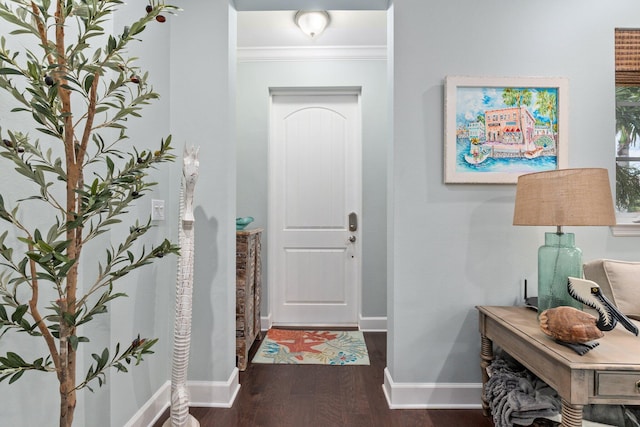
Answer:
(7, 143)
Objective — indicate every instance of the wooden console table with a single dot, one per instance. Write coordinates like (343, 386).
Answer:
(608, 374)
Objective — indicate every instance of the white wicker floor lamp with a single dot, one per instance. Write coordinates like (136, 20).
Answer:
(180, 416)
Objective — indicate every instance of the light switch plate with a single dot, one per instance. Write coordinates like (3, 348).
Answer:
(157, 210)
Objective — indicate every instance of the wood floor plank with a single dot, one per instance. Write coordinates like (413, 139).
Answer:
(324, 396)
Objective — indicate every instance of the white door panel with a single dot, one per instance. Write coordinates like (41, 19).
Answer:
(309, 282)
(314, 169)
(314, 185)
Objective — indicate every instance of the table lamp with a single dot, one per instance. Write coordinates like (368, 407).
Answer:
(558, 198)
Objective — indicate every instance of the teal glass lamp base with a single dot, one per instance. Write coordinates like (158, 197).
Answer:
(557, 260)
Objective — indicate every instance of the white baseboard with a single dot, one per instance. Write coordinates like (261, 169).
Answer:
(153, 408)
(266, 322)
(372, 324)
(212, 394)
(431, 395)
(365, 324)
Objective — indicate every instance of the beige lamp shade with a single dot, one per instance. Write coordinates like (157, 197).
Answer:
(564, 197)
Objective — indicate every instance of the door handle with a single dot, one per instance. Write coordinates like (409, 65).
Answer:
(353, 221)
(352, 239)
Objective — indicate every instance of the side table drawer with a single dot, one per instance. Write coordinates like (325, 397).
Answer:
(618, 384)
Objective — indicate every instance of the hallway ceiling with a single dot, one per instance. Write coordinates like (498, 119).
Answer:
(311, 4)
(277, 28)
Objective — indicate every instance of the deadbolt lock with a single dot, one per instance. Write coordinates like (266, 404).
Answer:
(353, 221)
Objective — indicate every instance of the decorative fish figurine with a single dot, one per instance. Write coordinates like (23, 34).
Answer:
(569, 325)
(588, 292)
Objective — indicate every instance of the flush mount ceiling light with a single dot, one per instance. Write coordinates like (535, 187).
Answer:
(312, 22)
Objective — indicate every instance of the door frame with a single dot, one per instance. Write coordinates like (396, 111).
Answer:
(271, 223)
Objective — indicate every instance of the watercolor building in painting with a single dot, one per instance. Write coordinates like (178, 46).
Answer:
(503, 131)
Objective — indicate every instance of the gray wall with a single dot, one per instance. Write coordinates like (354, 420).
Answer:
(254, 81)
(198, 112)
(203, 113)
(453, 245)
(148, 310)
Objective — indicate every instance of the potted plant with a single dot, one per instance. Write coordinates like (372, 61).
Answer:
(79, 86)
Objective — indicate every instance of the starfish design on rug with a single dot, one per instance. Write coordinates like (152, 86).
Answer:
(300, 341)
(313, 347)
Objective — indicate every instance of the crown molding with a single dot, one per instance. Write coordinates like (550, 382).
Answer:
(316, 53)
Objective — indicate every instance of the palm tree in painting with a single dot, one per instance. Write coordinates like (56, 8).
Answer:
(513, 97)
(547, 104)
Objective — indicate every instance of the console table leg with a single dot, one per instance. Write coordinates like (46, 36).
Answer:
(571, 414)
(486, 357)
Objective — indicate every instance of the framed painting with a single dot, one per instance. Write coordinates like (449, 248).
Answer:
(497, 129)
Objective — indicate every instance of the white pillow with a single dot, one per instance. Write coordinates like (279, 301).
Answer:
(619, 282)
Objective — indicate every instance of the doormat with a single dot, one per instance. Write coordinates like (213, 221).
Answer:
(286, 346)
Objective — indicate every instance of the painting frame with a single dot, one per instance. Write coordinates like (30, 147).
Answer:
(524, 143)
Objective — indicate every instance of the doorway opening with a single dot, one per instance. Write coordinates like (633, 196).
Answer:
(352, 52)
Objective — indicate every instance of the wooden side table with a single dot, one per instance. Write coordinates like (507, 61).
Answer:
(608, 374)
(248, 292)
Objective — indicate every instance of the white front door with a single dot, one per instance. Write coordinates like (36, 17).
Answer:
(315, 184)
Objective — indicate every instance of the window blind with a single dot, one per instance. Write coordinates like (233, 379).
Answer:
(627, 51)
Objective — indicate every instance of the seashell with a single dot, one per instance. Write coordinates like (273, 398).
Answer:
(569, 324)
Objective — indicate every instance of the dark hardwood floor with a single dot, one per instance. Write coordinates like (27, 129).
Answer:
(324, 396)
